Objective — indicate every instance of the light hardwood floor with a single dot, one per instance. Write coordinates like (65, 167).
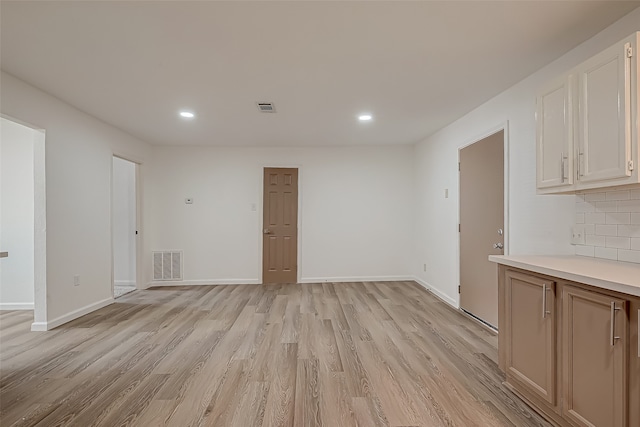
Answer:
(347, 354)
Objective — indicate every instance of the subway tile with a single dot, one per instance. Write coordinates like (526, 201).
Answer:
(607, 206)
(595, 218)
(595, 197)
(583, 250)
(618, 218)
(635, 194)
(606, 230)
(579, 218)
(629, 230)
(635, 244)
(629, 206)
(607, 253)
(635, 218)
(593, 240)
(618, 195)
(580, 197)
(618, 242)
(585, 207)
(629, 256)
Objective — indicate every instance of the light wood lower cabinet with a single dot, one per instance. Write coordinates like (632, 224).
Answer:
(570, 350)
(594, 358)
(531, 333)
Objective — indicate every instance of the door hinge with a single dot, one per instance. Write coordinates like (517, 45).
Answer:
(458, 228)
(630, 165)
(629, 52)
(136, 232)
(459, 289)
(458, 166)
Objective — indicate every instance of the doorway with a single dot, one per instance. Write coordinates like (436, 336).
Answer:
(280, 226)
(482, 229)
(23, 220)
(124, 226)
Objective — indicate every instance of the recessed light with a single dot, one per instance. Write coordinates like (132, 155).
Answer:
(187, 114)
(365, 117)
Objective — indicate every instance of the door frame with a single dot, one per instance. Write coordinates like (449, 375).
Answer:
(504, 126)
(139, 215)
(40, 225)
(260, 211)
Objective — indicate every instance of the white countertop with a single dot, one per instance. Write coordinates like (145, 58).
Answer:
(612, 275)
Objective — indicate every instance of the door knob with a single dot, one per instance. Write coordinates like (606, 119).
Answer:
(498, 246)
(266, 231)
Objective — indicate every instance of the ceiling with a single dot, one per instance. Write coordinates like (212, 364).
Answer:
(415, 66)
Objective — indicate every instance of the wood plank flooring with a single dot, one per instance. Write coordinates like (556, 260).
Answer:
(343, 354)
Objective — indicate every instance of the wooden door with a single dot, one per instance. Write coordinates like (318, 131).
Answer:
(594, 358)
(531, 334)
(605, 115)
(554, 123)
(481, 225)
(280, 226)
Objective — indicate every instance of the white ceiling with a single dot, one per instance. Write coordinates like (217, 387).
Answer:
(416, 66)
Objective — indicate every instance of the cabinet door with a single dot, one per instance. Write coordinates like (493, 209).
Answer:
(604, 150)
(531, 334)
(594, 358)
(554, 134)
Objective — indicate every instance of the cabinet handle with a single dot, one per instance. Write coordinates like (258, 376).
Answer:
(613, 323)
(562, 167)
(580, 164)
(544, 300)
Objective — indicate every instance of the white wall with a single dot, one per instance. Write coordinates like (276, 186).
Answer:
(124, 222)
(355, 211)
(538, 224)
(16, 215)
(79, 150)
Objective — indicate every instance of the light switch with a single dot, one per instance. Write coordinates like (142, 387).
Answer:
(254, 207)
(188, 201)
(446, 193)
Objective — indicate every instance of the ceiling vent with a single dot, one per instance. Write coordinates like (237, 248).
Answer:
(266, 107)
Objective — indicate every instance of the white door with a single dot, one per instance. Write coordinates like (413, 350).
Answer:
(124, 226)
(554, 121)
(604, 109)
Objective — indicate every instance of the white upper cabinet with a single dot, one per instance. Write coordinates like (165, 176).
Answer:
(554, 115)
(587, 123)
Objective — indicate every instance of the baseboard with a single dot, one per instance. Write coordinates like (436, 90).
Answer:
(125, 282)
(47, 326)
(355, 279)
(16, 306)
(213, 282)
(442, 296)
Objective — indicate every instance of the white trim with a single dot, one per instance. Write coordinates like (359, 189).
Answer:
(47, 326)
(212, 282)
(356, 279)
(16, 306)
(125, 283)
(437, 293)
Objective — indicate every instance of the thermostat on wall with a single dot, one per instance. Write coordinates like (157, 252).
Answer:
(188, 201)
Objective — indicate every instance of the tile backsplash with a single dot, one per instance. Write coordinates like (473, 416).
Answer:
(612, 224)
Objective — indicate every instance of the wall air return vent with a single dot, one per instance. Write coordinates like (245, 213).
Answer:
(266, 107)
(167, 265)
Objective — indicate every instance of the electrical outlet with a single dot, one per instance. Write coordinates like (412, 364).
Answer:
(577, 235)
(76, 280)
